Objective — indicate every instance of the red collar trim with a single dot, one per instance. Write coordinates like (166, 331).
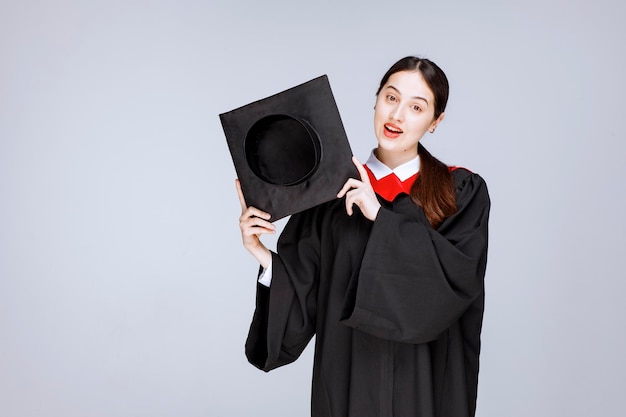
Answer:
(390, 186)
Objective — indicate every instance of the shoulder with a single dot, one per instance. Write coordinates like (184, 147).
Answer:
(463, 176)
(469, 186)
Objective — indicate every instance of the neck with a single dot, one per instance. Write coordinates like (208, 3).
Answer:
(394, 159)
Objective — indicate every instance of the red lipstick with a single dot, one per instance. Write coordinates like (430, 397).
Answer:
(392, 131)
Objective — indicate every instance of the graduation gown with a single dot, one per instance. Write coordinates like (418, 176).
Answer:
(396, 306)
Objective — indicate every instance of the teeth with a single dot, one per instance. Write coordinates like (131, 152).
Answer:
(392, 129)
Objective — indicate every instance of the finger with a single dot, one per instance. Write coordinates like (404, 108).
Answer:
(242, 200)
(362, 172)
(252, 212)
(343, 190)
(256, 230)
(264, 224)
(350, 183)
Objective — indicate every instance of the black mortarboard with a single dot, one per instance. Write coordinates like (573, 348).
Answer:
(290, 150)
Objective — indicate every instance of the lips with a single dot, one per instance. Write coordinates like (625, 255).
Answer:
(392, 131)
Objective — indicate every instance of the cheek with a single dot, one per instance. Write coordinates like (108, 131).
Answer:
(378, 112)
(421, 123)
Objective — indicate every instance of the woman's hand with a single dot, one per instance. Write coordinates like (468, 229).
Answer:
(360, 193)
(253, 223)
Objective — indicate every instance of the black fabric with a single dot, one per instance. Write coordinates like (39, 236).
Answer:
(282, 150)
(396, 306)
(290, 150)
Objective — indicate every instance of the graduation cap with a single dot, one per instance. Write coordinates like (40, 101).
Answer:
(290, 150)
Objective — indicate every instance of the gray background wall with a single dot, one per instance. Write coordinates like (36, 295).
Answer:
(124, 289)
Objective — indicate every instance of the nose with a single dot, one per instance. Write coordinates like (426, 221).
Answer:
(397, 113)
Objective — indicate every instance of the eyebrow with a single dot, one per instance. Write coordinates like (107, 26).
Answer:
(415, 97)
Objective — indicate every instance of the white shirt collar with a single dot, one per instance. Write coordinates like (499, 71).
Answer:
(403, 172)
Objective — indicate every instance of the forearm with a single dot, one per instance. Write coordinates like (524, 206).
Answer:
(261, 254)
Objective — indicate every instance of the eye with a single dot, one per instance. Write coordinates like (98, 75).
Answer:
(391, 97)
(415, 107)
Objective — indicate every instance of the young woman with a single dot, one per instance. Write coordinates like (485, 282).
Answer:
(389, 276)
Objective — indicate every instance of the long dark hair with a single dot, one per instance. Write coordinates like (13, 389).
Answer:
(434, 188)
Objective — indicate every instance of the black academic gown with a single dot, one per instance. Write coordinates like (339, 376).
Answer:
(396, 306)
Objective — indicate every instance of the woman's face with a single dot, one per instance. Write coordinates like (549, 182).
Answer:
(404, 111)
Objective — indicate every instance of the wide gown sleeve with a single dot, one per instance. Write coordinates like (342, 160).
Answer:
(284, 318)
(415, 281)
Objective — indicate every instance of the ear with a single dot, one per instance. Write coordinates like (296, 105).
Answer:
(436, 122)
